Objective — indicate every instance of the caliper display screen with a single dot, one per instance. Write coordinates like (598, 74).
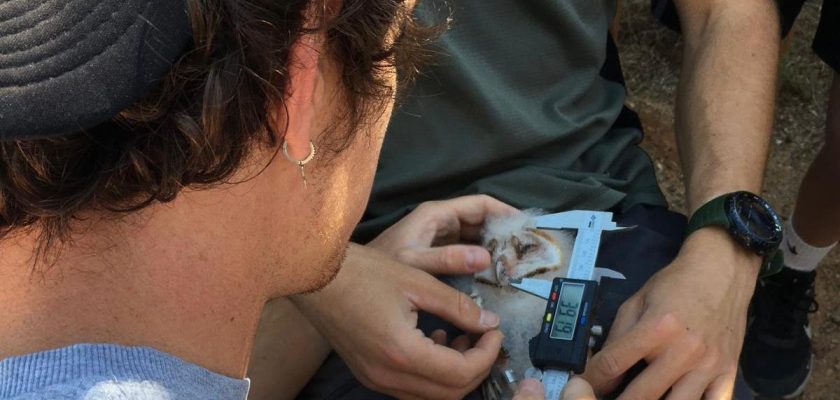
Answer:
(568, 309)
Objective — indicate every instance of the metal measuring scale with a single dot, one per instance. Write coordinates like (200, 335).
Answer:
(562, 344)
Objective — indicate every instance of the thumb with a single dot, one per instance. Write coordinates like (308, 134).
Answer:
(456, 259)
(578, 389)
(530, 389)
(430, 295)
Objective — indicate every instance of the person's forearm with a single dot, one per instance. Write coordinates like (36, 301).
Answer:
(725, 102)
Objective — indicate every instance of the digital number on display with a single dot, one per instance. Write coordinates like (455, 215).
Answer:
(568, 309)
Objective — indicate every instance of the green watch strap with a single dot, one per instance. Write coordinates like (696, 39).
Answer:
(773, 264)
(714, 213)
(711, 213)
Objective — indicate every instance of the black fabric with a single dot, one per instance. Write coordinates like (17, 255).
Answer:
(826, 40)
(68, 65)
(788, 12)
(611, 70)
(638, 254)
(666, 13)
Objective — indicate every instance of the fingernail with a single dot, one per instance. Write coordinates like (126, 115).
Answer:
(530, 386)
(488, 319)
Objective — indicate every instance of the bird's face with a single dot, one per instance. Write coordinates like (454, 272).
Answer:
(520, 250)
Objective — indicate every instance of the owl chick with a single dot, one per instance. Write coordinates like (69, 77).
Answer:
(518, 250)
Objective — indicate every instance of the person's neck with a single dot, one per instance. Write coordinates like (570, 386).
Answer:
(159, 289)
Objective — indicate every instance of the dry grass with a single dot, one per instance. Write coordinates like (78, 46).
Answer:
(650, 56)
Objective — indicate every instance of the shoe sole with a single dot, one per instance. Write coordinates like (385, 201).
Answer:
(801, 387)
(796, 393)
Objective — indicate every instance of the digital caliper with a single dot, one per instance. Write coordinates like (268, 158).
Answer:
(563, 342)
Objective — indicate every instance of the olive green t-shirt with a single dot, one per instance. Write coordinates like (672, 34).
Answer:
(519, 106)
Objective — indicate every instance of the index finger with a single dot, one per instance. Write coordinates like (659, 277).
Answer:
(455, 369)
(428, 294)
(620, 355)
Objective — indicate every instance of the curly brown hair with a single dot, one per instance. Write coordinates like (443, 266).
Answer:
(199, 124)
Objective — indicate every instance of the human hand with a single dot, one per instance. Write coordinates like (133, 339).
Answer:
(687, 323)
(576, 389)
(369, 315)
(431, 237)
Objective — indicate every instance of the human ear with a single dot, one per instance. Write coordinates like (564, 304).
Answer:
(294, 118)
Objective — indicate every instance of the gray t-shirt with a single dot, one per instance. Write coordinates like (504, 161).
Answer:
(111, 372)
(525, 103)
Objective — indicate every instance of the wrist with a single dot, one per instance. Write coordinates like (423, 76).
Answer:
(714, 243)
(696, 199)
(718, 262)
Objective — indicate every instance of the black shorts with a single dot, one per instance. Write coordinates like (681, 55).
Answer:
(638, 254)
(826, 41)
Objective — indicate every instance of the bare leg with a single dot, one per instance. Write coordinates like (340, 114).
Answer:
(817, 214)
(287, 352)
(616, 22)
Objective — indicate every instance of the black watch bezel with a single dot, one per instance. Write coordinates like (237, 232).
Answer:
(740, 228)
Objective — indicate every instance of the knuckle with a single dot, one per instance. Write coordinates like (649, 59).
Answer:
(365, 381)
(371, 376)
(713, 359)
(396, 357)
(382, 379)
(422, 207)
(608, 366)
(404, 255)
(464, 303)
(731, 370)
(459, 378)
(623, 308)
(628, 306)
(711, 366)
(426, 206)
(694, 344)
(449, 257)
(669, 324)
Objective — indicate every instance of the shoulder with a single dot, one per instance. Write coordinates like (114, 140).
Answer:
(104, 371)
(106, 389)
(125, 389)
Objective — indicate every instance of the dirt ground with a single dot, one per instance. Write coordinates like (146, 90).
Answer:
(650, 57)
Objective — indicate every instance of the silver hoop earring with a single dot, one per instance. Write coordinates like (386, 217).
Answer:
(300, 163)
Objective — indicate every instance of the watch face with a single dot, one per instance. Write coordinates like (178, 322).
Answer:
(754, 221)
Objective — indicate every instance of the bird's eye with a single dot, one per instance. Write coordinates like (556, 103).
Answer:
(491, 246)
(521, 248)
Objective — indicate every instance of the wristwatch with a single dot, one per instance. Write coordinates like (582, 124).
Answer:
(751, 222)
